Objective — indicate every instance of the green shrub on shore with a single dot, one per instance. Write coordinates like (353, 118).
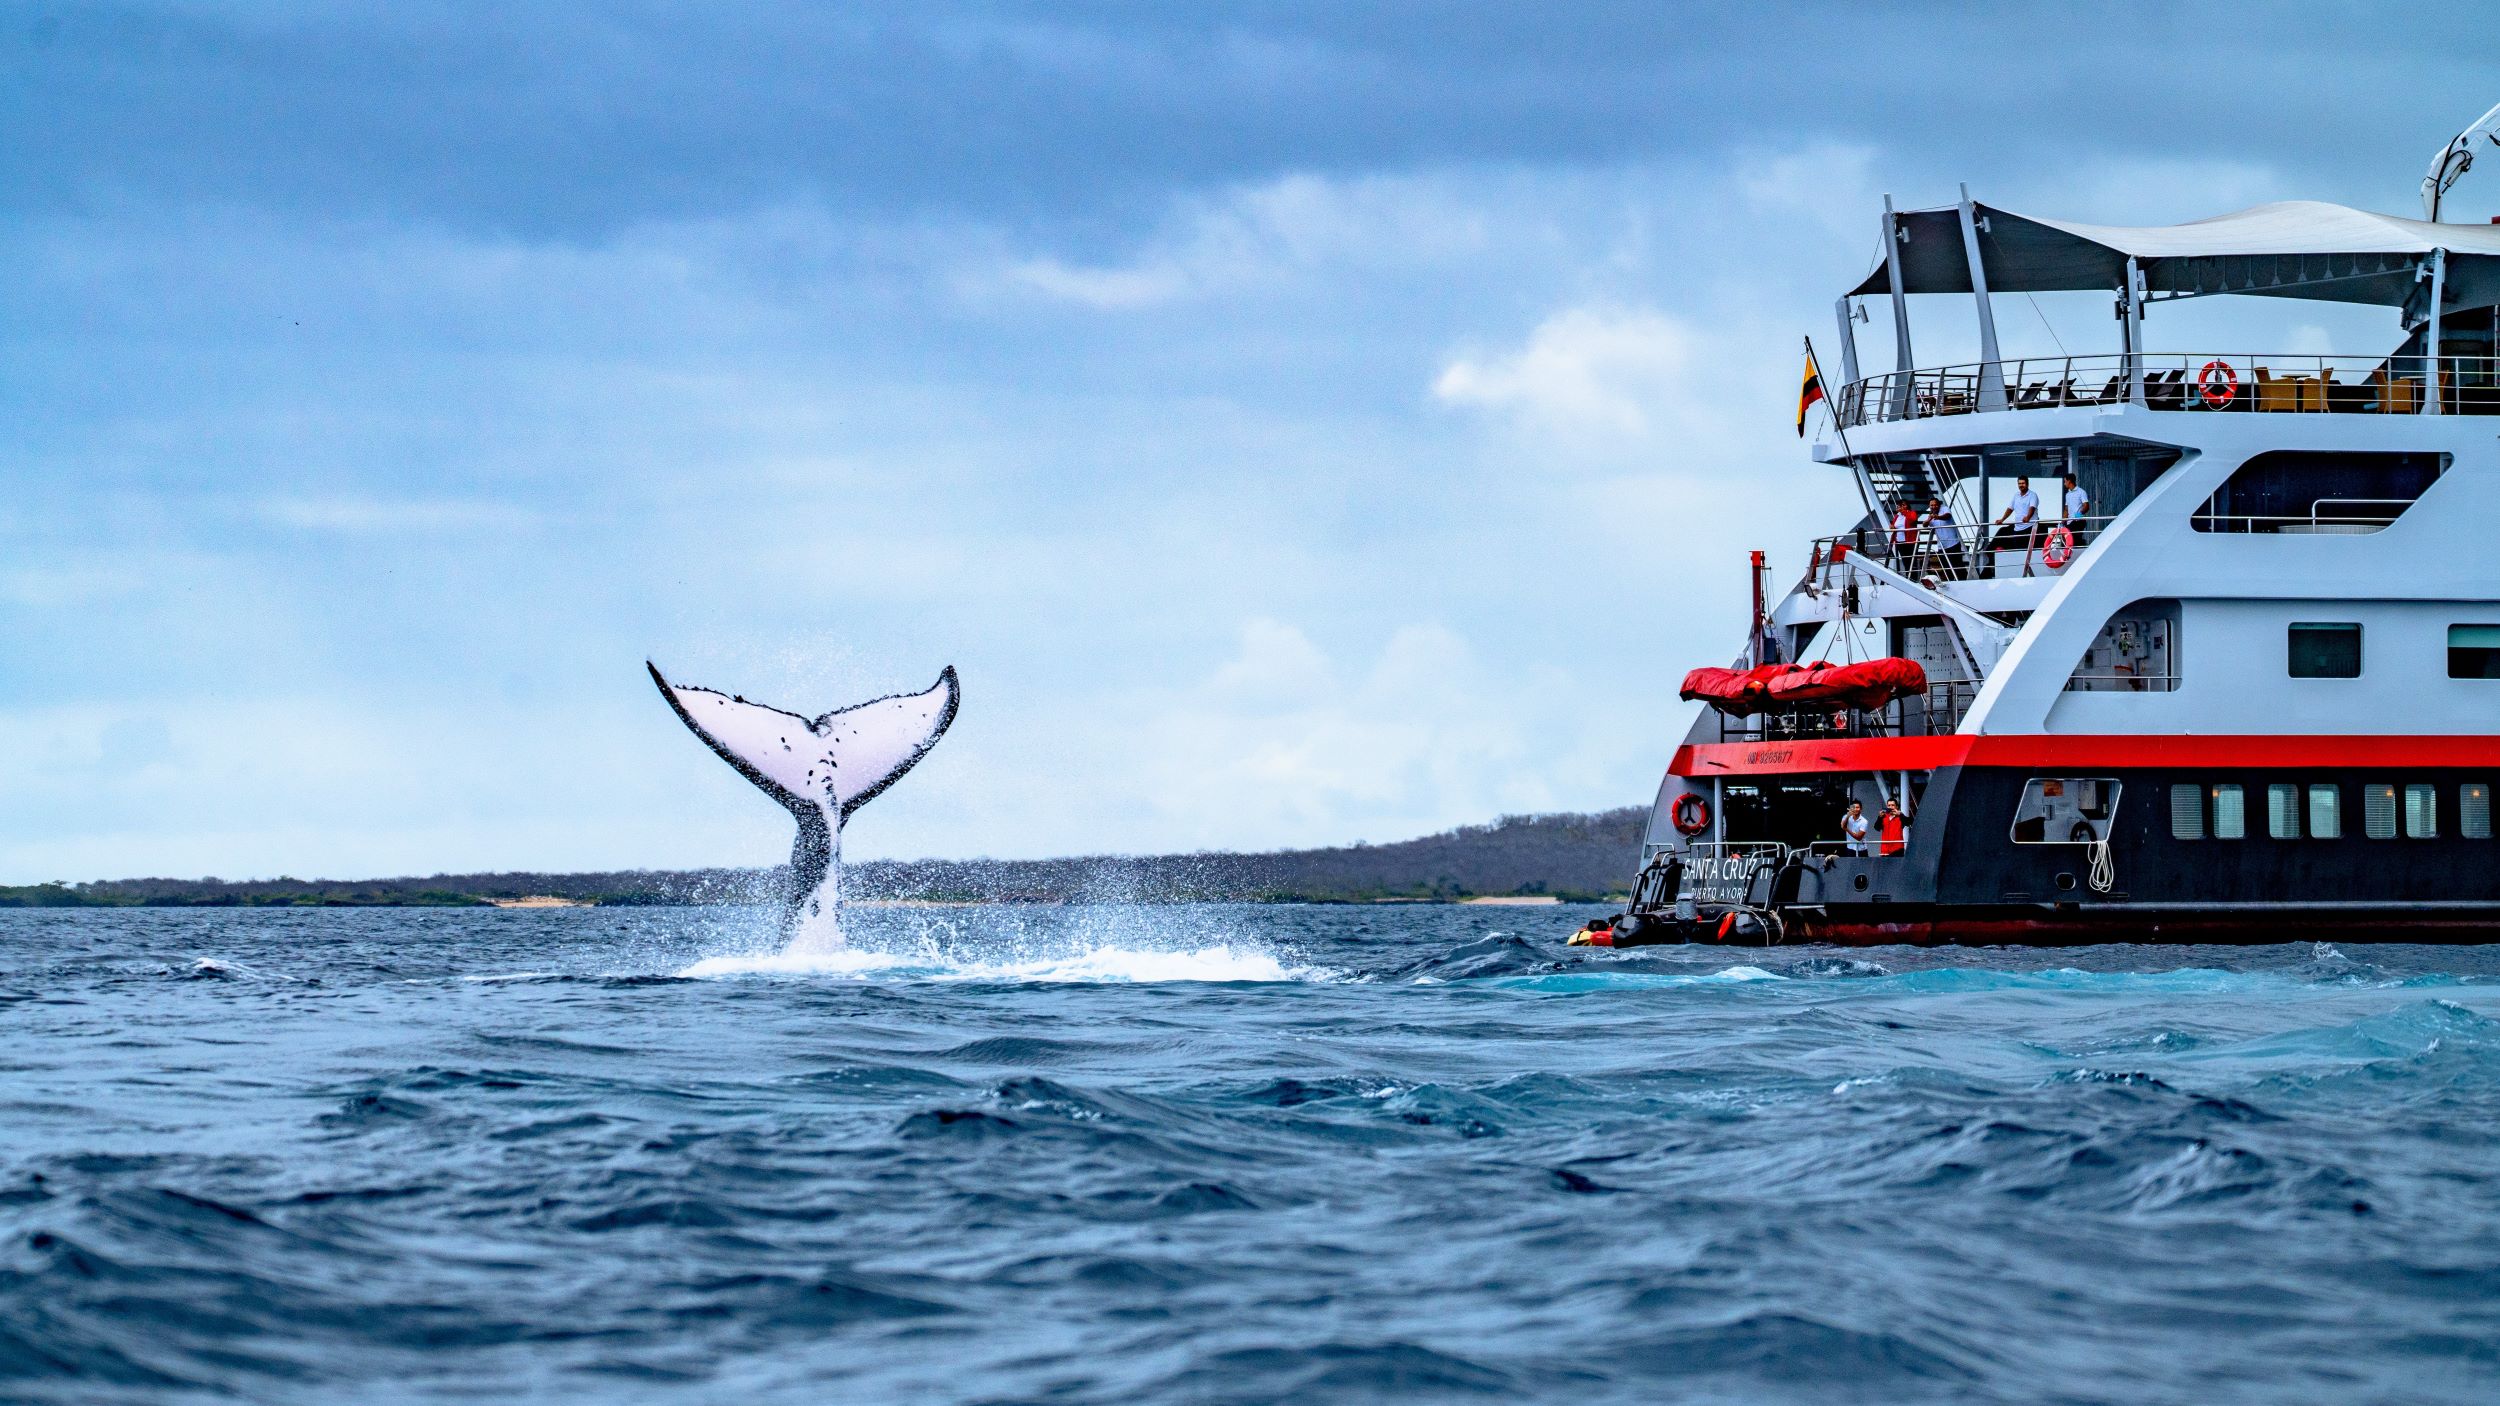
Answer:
(1572, 857)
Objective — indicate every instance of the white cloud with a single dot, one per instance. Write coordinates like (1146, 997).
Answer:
(356, 515)
(1259, 235)
(1108, 288)
(1282, 744)
(1583, 370)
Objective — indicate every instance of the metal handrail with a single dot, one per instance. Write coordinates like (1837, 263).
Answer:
(2204, 521)
(1713, 859)
(1978, 540)
(2256, 383)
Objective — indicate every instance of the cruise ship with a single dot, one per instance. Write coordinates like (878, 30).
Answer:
(2244, 687)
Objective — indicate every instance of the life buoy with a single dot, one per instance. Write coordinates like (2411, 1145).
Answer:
(1691, 813)
(2058, 549)
(2217, 383)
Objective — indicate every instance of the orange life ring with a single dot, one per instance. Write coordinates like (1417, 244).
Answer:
(2217, 383)
(2059, 549)
(1690, 813)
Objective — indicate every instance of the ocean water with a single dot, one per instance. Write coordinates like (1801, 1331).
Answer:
(1129, 1154)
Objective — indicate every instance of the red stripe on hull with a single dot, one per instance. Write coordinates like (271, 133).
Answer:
(1701, 761)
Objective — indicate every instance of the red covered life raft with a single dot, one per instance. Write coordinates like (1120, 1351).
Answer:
(1738, 691)
(1743, 692)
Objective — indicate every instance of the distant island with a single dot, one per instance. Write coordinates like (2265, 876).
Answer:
(1571, 857)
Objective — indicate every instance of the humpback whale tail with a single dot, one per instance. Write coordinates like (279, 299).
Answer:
(820, 770)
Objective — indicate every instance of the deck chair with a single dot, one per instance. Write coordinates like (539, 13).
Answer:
(2319, 395)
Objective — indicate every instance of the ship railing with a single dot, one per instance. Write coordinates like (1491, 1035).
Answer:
(2121, 681)
(1933, 713)
(1986, 551)
(1716, 871)
(2205, 382)
(2327, 517)
(1869, 848)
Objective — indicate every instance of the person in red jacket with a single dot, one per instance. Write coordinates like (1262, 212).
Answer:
(1892, 830)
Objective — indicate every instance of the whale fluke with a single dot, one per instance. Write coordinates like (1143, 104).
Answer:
(820, 770)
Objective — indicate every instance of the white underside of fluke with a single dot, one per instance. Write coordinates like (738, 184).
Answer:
(820, 770)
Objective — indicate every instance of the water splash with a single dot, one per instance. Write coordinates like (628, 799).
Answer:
(1108, 964)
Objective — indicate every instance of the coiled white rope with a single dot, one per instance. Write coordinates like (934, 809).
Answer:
(2104, 875)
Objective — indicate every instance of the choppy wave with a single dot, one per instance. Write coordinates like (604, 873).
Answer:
(1111, 1155)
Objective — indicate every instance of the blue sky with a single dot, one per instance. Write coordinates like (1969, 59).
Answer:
(1299, 423)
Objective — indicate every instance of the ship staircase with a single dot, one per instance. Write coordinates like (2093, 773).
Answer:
(1895, 477)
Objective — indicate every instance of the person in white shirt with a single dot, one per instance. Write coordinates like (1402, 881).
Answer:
(2025, 509)
(1944, 537)
(2078, 507)
(1853, 828)
(2020, 521)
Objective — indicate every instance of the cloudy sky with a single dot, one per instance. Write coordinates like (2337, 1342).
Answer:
(1299, 423)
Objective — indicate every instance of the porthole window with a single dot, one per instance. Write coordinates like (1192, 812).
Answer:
(2378, 811)
(2421, 812)
(2283, 812)
(2187, 812)
(2326, 813)
(2474, 811)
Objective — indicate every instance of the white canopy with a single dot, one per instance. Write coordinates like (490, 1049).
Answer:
(2288, 249)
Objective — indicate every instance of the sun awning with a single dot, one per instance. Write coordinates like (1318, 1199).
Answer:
(2289, 249)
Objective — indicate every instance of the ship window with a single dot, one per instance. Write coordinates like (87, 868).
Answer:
(2474, 651)
(2230, 813)
(2378, 811)
(2421, 812)
(2474, 811)
(2187, 812)
(2137, 651)
(2065, 810)
(2283, 812)
(2326, 813)
(2326, 651)
(2311, 493)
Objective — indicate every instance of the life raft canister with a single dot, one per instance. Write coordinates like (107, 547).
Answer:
(1690, 813)
(2058, 549)
(2217, 383)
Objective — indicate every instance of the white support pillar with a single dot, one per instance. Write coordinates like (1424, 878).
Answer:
(2430, 332)
(1848, 341)
(2133, 298)
(1991, 367)
(1902, 365)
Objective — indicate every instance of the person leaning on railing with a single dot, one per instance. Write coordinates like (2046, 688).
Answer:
(1944, 538)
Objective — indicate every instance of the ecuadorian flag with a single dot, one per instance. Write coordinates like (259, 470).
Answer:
(1809, 392)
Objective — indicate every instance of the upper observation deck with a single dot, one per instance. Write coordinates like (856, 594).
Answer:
(2235, 383)
(2443, 281)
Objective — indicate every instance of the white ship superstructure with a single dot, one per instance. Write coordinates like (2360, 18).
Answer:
(2253, 689)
